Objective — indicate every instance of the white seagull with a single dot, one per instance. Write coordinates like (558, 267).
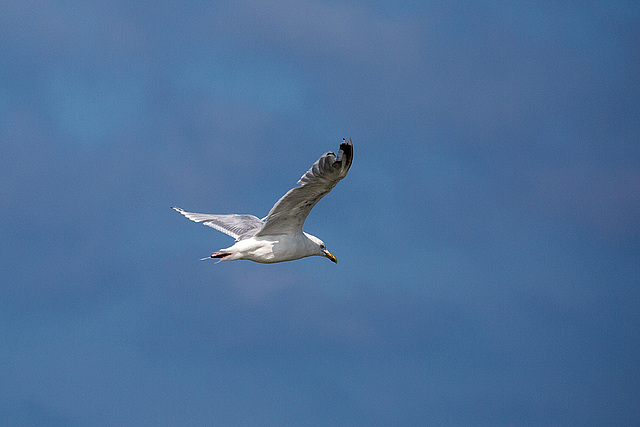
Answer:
(278, 236)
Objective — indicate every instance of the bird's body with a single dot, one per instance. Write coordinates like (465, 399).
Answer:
(279, 237)
(270, 249)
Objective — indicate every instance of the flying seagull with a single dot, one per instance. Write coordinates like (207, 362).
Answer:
(278, 236)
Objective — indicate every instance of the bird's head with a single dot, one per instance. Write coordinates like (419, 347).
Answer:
(321, 249)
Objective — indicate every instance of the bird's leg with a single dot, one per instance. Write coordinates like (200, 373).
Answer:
(217, 255)
(220, 254)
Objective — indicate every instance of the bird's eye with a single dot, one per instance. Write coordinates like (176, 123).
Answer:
(322, 246)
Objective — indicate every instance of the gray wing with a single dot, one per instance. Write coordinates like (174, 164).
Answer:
(237, 226)
(289, 213)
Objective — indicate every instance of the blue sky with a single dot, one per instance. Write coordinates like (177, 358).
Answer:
(487, 234)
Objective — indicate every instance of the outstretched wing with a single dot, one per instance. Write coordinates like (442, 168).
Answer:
(289, 213)
(237, 226)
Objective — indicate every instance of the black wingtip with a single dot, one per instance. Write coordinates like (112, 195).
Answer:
(347, 150)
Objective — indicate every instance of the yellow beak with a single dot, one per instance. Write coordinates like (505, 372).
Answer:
(330, 256)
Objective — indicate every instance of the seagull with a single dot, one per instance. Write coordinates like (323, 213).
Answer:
(279, 237)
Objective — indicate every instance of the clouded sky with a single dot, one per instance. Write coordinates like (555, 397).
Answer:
(487, 234)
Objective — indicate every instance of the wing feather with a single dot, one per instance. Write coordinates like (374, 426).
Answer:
(289, 213)
(237, 226)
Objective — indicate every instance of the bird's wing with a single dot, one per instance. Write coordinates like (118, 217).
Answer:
(237, 226)
(289, 213)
